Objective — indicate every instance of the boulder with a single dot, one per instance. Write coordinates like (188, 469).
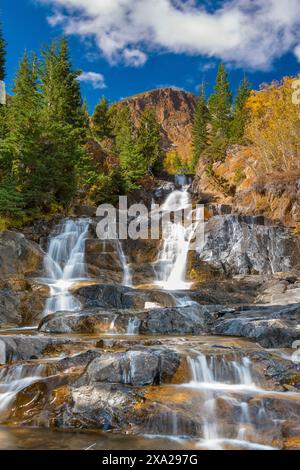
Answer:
(121, 297)
(193, 319)
(94, 321)
(20, 347)
(149, 366)
(272, 327)
(18, 256)
(98, 406)
(247, 245)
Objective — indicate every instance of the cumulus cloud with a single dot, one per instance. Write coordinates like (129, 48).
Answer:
(95, 79)
(297, 52)
(247, 33)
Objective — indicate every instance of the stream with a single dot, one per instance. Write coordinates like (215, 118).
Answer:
(96, 354)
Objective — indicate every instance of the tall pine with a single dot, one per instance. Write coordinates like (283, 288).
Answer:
(20, 150)
(131, 160)
(102, 127)
(149, 141)
(240, 113)
(221, 114)
(63, 119)
(200, 128)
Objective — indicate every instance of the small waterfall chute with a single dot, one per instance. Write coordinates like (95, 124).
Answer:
(127, 275)
(64, 264)
(171, 264)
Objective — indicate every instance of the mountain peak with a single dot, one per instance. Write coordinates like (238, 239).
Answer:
(174, 109)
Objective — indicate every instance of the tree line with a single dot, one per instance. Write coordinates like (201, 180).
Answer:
(218, 121)
(45, 129)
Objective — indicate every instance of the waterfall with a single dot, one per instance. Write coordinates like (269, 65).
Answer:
(232, 382)
(171, 265)
(133, 326)
(64, 265)
(15, 379)
(127, 278)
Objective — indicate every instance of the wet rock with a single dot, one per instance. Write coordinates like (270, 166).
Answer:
(9, 305)
(121, 297)
(177, 320)
(92, 321)
(270, 326)
(194, 319)
(244, 245)
(18, 256)
(99, 406)
(21, 304)
(135, 367)
(102, 254)
(23, 347)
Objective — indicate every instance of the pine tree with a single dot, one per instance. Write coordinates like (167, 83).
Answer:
(102, 127)
(60, 87)
(131, 160)
(2, 54)
(241, 114)
(220, 111)
(149, 141)
(20, 149)
(200, 128)
(64, 121)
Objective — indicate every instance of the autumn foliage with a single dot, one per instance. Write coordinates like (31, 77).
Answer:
(274, 127)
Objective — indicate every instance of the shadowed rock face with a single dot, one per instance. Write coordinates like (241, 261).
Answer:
(21, 301)
(175, 320)
(151, 366)
(244, 245)
(174, 111)
(18, 256)
(272, 327)
(116, 296)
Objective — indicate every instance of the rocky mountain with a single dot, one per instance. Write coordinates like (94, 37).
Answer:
(174, 111)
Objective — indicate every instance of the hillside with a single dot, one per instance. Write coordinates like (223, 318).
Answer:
(174, 111)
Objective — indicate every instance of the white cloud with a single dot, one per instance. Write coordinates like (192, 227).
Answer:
(249, 33)
(297, 52)
(206, 67)
(134, 57)
(95, 79)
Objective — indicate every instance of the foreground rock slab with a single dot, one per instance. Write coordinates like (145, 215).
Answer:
(192, 319)
(272, 327)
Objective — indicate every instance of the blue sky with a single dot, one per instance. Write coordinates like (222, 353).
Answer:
(159, 42)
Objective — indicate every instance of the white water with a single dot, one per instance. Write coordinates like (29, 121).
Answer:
(133, 326)
(12, 381)
(171, 265)
(127, 278)
(64, 265)
(233, 382)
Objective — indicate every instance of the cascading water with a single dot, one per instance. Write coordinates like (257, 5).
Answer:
(171, 265)
(231, 383)
(13, 380)
(127, 278)
(64, 265)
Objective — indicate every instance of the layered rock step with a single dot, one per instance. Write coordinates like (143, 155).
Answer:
(155, 386)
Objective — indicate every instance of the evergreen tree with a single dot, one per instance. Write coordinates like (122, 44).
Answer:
(102, 128)
(2, 54)
(20, 149)
(132, 162)
(149, 141)
(200, 128)
(220, 111)
(60, 87)
(64, 122)
(241, 114)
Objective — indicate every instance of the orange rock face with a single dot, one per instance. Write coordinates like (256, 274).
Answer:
(174, 111)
